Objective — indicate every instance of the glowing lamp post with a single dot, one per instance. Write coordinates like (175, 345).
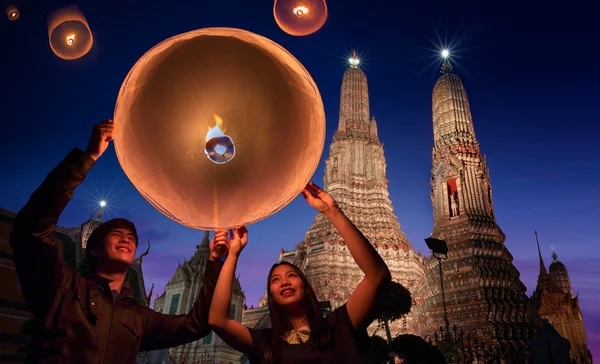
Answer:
(439, 248)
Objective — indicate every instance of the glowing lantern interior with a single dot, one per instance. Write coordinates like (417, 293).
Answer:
(300, 17)
(69, 33)
(219, 127)
(12, 12)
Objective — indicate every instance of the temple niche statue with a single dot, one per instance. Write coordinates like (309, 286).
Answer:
(335, 168)
(454, 205)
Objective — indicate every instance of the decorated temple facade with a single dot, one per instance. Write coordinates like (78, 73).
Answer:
(178, 298)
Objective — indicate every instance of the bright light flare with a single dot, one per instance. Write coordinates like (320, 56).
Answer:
(102, 204)
(445, 53)
(354, 60)
(300, 11)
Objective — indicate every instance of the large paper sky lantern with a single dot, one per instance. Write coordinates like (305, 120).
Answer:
(12, 12)
(300, 17)
(219, 127)
(69, 33)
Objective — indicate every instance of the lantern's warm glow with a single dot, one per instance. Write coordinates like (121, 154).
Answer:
(300, 17)
(300, 10)
(69, 33)
(12, 12)
(213, 142)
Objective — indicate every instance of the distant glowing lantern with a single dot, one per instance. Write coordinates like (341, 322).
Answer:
(12, 12)
(300, 17)
(219, 127)
(69, 33)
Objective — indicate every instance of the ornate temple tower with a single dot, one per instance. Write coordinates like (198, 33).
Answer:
(355, 175)
(484, 295)
(179, 297)
(553, 300)
(89, 226)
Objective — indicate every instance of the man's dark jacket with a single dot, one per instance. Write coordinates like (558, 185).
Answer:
(76, 320)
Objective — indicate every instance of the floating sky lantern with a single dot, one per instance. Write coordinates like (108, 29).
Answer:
(300, 17)
(69, 33)
(219, 127)
(12, 12)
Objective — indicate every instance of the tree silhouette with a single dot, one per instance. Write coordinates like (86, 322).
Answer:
(414, 350)
(378, 352)
(396, 304)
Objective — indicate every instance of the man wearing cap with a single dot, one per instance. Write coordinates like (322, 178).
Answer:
(92, 319)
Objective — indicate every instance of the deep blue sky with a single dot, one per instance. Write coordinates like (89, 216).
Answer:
(531, 73)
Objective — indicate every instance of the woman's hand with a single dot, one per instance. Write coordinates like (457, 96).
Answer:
(238, 238)
(219, 245)
(318, 199)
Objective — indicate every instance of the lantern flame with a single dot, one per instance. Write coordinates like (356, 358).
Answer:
(217, 130)
(70, 39)
(300, 10)
(219, 147)
(13, 14)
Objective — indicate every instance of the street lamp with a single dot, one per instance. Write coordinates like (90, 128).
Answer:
(439, 248)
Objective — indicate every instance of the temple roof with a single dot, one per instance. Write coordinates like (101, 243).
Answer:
(196, 265)
(545, 282)
(556, 264)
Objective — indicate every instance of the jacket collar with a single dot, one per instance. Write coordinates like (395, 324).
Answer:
(98, 281)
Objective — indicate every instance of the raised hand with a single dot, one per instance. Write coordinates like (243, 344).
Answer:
(219, 245)
(318, 199)
(102, 134)
(237, 240)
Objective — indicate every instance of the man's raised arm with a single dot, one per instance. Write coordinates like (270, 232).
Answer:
(39, 266)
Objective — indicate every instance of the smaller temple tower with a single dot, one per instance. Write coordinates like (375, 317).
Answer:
(553, 300)
(180, 295)
(484, 295)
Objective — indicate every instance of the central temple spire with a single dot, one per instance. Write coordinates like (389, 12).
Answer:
(354, 101)
(355, 176)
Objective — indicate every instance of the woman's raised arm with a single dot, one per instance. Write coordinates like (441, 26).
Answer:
(232, 332)
(363, 304)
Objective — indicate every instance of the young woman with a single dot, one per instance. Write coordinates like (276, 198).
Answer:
(299, 333)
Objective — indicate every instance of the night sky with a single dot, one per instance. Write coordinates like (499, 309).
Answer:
(531, 73)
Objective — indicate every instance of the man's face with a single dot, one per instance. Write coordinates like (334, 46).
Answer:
(120, 246)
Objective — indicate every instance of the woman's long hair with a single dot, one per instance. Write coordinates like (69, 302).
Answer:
(281, 324)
